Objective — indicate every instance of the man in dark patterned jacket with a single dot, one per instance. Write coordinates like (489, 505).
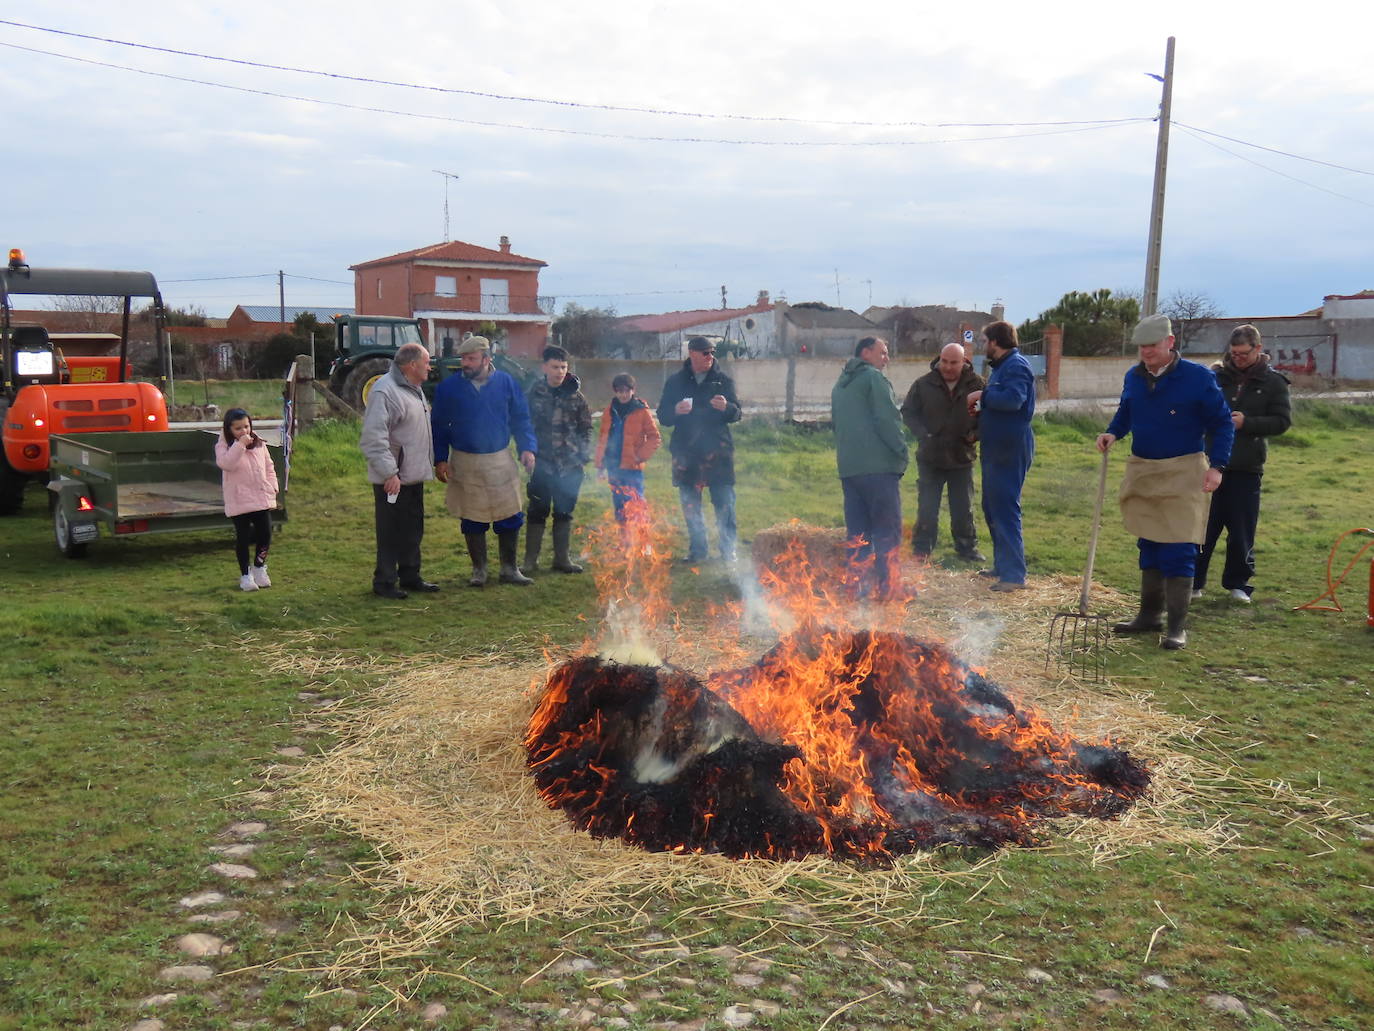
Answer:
(563, 427)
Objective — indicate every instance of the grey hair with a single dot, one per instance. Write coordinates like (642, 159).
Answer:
(408, 354)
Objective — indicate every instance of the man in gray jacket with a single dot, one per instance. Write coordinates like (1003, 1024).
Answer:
(398, 447)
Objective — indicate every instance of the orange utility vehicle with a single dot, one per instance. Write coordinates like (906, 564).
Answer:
(45, 391)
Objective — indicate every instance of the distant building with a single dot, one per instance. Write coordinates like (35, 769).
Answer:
(813, 328)
(256, 321)
(456, 288)
(748, 332)
(919, 330)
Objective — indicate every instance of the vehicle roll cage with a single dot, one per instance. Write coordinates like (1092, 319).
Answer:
(17, 278)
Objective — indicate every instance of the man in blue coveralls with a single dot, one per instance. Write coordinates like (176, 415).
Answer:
(1007, 404)
(1172, 407)
(473, 419)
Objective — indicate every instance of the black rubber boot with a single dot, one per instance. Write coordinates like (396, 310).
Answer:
(1150, 618)
(1178, 592)
(507, 542)
(477, 550)
(562, 542)
(534, 544)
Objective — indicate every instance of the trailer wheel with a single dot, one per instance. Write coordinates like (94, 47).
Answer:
(360, 380)
(62, 533)
(12, 483)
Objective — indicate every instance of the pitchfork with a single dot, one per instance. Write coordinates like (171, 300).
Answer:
(1077, 640)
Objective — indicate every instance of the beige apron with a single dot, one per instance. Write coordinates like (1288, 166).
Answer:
(483, 488)
(1162, 498)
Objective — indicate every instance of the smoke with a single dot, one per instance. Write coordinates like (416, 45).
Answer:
(977, 636)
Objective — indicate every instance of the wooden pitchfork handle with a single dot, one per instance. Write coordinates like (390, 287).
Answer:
(1092, 541)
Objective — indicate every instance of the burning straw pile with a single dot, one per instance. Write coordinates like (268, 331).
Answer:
(433, 767)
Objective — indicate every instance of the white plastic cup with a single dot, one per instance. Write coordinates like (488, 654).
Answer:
(688, 402)
(391, 498)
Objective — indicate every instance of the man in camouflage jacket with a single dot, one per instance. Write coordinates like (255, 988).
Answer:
(563, 427)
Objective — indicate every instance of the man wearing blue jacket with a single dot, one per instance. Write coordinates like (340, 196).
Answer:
(1007, 405)
(473, 419)
(1173, 408)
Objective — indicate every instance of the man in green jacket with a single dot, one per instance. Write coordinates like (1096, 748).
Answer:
(871, 453)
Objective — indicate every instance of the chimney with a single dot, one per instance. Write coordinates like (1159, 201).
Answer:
(763, 297)
(505, 245)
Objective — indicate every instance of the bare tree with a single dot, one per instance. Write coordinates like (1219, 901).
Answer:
(1189, 311)
(88, 314)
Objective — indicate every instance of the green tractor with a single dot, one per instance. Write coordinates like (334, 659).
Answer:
(365, 344)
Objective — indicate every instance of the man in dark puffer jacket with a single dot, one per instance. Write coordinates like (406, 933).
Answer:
(1258, 396)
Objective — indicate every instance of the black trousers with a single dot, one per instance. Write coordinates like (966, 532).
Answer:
(1235, 509)
(930, 487)
(552, 491)
(400, 528)
(252, 530)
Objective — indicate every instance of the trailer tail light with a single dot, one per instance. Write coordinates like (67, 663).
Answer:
(40, 422)
(132, 526)
(32, 451)
(83, 504)
(152, 418)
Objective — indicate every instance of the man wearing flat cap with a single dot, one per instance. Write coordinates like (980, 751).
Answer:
(474, 417)
(1182, 437)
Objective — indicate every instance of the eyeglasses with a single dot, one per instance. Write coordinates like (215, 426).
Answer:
(707, 353)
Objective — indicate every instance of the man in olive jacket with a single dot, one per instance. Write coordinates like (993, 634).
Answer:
(946, 432)
(871, 453)
(1258, 396)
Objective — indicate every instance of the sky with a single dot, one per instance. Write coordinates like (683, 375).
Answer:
(865, 153)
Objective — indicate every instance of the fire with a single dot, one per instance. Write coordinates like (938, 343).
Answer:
(858, 743)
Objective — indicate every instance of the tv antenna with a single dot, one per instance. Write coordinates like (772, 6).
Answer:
(447, 176)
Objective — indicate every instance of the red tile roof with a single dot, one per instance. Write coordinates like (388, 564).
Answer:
(454, 250)
(672, 320)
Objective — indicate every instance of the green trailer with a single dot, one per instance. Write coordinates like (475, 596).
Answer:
(137, 483)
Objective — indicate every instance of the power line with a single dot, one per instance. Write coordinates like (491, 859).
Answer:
(316, 279)
(216, 279)
(1272, 150)
(630, 109)
(1257, 164)
(1075, 127)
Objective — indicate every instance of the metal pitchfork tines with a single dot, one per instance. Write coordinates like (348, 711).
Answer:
(1078, 641)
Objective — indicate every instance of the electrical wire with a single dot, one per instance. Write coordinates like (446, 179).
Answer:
(570, 132)
(1273, 150)
(630, 109)
(1257, 164)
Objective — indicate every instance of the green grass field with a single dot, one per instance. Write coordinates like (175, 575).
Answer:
(144, 716)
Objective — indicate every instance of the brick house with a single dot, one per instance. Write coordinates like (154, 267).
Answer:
(454, 288)
(665, 335)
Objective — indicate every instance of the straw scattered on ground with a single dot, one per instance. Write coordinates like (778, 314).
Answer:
(430, 767)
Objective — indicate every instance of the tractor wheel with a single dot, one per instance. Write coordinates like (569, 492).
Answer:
(359, 383)
(12, 483)
(62, 533)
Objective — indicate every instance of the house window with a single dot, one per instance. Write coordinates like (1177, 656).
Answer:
(496, 296)
(446, 286)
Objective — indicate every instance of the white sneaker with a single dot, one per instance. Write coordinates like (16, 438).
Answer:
(246, 582)
(1197, 595)
(1240, 596)
(260, 577)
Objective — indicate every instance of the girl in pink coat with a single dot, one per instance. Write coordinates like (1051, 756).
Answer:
(250, 494)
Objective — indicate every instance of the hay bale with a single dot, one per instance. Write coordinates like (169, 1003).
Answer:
(823, 546)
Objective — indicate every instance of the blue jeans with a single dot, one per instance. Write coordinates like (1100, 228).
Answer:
(723, 500)
(625, 484)
(873, 512)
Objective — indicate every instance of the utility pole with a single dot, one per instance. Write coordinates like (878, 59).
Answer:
(1150, 301)
(837, 289)
(870, 292)
(447, 176)
(281, 296)
(722, 297)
